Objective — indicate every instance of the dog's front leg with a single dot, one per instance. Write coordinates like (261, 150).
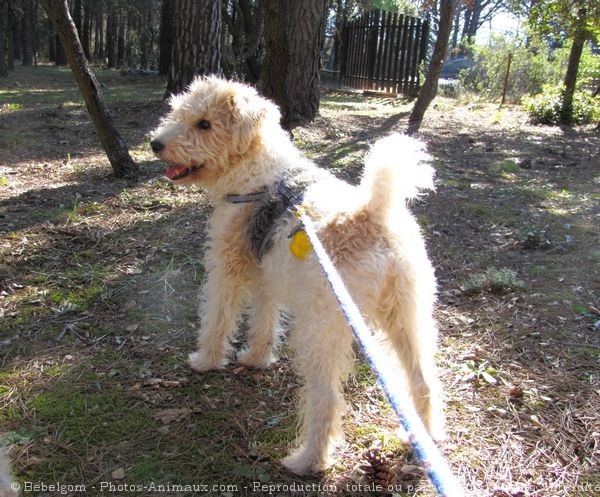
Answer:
(226, 290)
(264, 332)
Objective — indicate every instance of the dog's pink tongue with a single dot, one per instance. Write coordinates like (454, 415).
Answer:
(177, 171)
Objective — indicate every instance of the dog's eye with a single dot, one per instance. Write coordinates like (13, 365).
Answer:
(203, 124)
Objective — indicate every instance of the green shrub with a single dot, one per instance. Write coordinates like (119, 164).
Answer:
(545, 107)
(533, 65)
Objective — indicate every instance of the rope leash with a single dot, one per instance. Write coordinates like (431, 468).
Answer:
(436, 467)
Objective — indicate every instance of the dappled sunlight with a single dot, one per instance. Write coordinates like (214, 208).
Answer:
(99, 289)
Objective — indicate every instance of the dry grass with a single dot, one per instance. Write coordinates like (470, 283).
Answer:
(98, 282)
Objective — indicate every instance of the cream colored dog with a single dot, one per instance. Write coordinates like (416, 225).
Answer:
(225, 137)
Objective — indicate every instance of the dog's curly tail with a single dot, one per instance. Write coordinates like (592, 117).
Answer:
(396, 169)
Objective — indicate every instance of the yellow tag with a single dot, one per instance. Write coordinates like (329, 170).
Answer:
(300, 245)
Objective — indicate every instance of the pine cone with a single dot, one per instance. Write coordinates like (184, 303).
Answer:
(378, 470)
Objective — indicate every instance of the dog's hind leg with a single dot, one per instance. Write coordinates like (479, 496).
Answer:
(405, 315)
(264, 332)
(323, 344)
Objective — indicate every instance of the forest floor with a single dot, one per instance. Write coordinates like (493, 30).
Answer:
(98, 293)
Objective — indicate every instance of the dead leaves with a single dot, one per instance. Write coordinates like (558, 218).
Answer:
(172, 415)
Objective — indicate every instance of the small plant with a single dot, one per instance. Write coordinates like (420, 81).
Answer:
(477, 372)
(505, 166)
(494, 280)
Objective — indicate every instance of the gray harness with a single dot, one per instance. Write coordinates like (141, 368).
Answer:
(272, 204)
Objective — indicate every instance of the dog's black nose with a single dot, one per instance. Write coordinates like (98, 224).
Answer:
(156, 146)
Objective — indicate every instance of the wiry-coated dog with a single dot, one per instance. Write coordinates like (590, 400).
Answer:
(225, 137)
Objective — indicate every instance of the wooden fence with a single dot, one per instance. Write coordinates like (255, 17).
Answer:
(382, 51)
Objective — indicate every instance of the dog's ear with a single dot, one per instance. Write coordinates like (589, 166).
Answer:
(248, 112)
(249, 109)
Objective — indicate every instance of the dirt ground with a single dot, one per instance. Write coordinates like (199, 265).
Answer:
(98, 292)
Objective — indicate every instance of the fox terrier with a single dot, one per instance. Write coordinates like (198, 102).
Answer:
(225, 137)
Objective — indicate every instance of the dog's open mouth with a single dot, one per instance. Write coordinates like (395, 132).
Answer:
(176, 172)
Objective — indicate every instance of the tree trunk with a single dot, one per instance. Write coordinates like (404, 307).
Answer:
(87, 24)
(101, 28)
(456, 29)
(467, 21)
(131, 28)
(144, 36)
(51, 42)
(34, 33)
(167, 12)
(252, 29)
(77, 16)
(340, 21)
(3, 35)
(10, 38)
(474, 21)
(98, 11)
(121, 39)
(61, 57)
(112, 28)
(294, 36)
(430, 85)
(115, 148)
(27, 33)
(17, 41)
(197, 46)
(566, 111)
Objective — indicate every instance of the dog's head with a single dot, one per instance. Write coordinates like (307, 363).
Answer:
(213, 127)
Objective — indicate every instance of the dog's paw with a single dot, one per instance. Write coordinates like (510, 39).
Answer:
(438, 432)
(301, 463)
(200, 361)
(252, 359)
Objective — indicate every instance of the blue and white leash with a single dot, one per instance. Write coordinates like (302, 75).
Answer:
(436, 467)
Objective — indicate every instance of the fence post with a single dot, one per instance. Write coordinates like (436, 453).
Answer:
(372, 46)
(505, 86)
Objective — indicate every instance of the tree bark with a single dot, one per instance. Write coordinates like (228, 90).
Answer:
(10, 38)
(112, 28)
(294, 36)
(131, 28)
(3, 35)
(197, 46)
(252, 29)
(77, 16)
(166, 35)
(466, 21)
(144, 35)
(566, 111)
(121, 39)
(27, 33)
(455, 29)
(61, 57)
(474, 22)
(51, 42)
(87, 23)
(17, 21)
(115, 148)
(430, 85)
